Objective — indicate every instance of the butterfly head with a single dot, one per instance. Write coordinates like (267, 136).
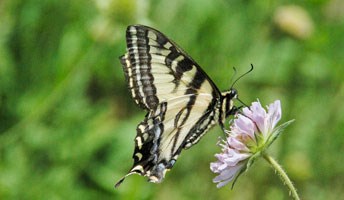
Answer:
(227, 102)
(227, 97)
(232, 93)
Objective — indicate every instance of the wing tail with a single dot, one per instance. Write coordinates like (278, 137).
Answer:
(123, 178)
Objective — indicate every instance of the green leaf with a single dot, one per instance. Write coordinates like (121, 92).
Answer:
(277, 131)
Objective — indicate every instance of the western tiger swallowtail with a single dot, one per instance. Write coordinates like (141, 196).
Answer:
(181, 100)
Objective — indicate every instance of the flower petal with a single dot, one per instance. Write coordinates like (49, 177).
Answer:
(257, 114)
(227, 175)
(243, 125)
(274, 113)
(236, 144)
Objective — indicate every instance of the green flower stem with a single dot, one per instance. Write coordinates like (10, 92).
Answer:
(284, 177)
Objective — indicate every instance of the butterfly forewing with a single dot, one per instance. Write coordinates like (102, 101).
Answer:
(157, 70)
(182, 101)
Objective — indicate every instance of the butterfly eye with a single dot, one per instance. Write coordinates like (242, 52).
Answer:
(232, 94)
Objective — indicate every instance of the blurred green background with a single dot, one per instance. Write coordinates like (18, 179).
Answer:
(67, 121)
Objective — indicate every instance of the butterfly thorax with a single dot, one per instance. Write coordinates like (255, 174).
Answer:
(227, 104)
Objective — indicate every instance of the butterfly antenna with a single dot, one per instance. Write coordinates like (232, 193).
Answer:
(235, 72)
(250, 70)
(242, 102)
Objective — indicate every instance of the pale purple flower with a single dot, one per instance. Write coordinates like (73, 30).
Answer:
(250, 134)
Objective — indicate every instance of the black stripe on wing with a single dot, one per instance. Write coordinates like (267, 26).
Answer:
(137, 68)
(204, 123)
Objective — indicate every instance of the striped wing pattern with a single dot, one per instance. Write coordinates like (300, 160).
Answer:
(181, 100)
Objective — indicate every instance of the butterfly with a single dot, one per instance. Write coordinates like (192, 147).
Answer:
(181, 101)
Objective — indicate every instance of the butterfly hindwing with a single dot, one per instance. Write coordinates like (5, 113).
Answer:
(166, 131)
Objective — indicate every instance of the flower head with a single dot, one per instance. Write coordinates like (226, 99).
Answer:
(251, 133)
